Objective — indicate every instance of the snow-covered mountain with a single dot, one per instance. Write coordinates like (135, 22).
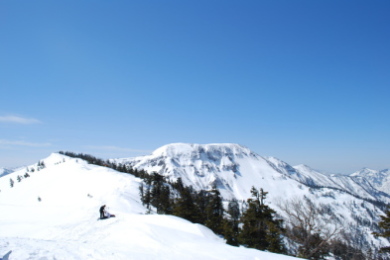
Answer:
(234, 169)
(4, 171)
(51, 211)
(357, 186)
(380, 180)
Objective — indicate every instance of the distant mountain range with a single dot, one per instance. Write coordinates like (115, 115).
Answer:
(380, 180)
(229, 166)
(351, 205)
(355, 202)
(4, 171)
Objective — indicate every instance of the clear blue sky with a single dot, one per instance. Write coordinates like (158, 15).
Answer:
(304, 81)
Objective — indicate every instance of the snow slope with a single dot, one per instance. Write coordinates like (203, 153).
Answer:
(234, 169)
(53, 215)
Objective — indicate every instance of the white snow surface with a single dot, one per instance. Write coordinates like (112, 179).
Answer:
(53, 214)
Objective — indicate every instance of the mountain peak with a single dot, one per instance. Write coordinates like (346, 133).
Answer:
(364, 172)
(4, 171)
(303, 166)
(170, 150)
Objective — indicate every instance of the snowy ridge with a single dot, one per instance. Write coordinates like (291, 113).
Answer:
(234, 169)
(223, 164)
(188, 149)
(51, 213)
(203, 166)
(359, 187)
(378, 179)
(4, 171)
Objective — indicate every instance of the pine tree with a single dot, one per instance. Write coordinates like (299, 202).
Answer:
(230, 232)
(41, 165)
(185, 206)
(260, 229)
(142, 193)
(202, 201)
(160, 194)
(165, 200)
(145, 193)
(214, 211)
(178, 185)
(230, 226)
(274, 238)
(384, 224)
(234, 210)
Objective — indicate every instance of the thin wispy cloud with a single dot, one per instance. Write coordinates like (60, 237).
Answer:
(22, 143)
(18, 120)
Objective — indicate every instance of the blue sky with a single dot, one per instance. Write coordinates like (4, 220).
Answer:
(304, 81)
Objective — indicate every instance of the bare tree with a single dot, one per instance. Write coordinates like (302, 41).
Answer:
(309, 227)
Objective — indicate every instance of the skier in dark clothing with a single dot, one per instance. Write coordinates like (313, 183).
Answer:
(101, 210)
(104, 213)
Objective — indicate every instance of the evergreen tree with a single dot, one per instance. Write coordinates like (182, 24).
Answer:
(214, 211)
(230, 232)
(230, 226)
(142, 193)
(260, 230)
(145, 193)
(185, 206)
(165, 201)
(274, 239)
(41, 165)
(234, 210)
(202, 201)
(178, 185)
(160, 194)
(384, 224)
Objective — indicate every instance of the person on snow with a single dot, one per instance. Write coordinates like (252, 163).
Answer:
(104, 213)
(101, 210)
